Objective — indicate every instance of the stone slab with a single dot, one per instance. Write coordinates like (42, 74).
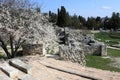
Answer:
(2, 77)
(21, 65)
(9, 70)
(52, 56)
(27, 77)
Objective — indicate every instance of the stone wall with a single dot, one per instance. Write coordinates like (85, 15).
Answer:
(84, 39)
(96, 48)
(29, 49)
(72, 54)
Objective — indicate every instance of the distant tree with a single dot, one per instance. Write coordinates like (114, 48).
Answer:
(91, 23)
(115, 20)
(69, 20)
(98, 22)
(75, 21)
(106, 23)
(62, 17)
(82, 21)
(52, 17)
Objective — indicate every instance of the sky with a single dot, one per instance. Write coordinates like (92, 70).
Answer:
(85, 8)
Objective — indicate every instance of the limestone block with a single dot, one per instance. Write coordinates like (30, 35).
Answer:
(27, 77)
(33, 49)
(9, 70)
(103, 50)
(21, 65)
(2, 77)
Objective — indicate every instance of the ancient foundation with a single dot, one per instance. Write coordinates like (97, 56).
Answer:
(72, 54)
(31, 49)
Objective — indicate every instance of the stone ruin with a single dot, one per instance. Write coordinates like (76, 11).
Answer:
(83, 42)
(72, 45)
(97, 48)
(72, 54)
(31, 49)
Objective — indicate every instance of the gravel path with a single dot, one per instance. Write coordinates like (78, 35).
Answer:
(102, 74)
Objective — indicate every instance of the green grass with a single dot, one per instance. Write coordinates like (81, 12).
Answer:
(113, 52)
(105, 36)
(115, 33)
(102, 63)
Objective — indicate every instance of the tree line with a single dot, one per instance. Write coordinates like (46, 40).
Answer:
(64, 19)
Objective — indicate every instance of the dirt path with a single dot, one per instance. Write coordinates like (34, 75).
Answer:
(116, 62)
(113, 48)
(104, 75)
(42, 72)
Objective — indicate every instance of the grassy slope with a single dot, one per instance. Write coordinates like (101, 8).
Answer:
(101, 63)
(113, 53)
(105, 36)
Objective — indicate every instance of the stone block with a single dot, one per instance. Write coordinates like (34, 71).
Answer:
(21, 65)
(72, 54)
(2, 77)
(27, 77)
(31, 49)
(9, 70)
(103, 50)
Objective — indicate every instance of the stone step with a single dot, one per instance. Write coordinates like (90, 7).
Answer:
(9, 70)
(52, 56)
(21, 65)
(3, 77)
(27, 77)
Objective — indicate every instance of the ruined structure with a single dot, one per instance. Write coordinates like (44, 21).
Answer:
(29, 49)
(79, 43)
(42, 37)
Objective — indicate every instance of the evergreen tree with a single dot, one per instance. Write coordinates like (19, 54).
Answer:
(91, 23)
(98, 22)
(106, 23)
(75, 21)
(62, 17)
(82, 21)
(115, 20)
(52, 17)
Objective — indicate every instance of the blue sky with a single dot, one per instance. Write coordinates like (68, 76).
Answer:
(82, 7)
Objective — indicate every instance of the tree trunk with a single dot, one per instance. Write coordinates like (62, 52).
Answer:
(5, 48)
(11, 44)
(18, 45)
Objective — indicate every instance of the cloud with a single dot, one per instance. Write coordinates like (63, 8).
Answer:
(106, 7)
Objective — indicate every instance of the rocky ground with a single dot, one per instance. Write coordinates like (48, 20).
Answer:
(51, 69)
(116, 62)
